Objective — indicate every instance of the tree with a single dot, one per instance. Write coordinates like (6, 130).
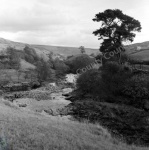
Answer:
(79, 62)
(30, 54)
(14, 60)
(82, 49)
(61, 69)
(43, 70)
(115, 29)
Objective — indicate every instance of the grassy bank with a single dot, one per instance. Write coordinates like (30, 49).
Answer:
(24, 130)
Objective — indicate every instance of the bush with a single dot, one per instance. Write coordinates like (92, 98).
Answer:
(89, 82)
(106, 83)
(14, 60)
(60, 67)
(116, 84)
(30, 55)
(44, 71)
(137, 90)
(78, 62)
(114, 77)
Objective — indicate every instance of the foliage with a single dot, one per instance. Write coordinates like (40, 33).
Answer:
(106, 83)
(79, 62)
(114, 77)
(14, 60)
(30, 55)
(89, 82)
(82, 49)
(43, 69)
(116, 28)
(60, 67)
(137, 90)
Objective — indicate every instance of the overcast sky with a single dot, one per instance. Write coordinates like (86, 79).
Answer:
(64, 22)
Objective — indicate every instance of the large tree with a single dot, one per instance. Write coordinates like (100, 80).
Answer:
(115, 29)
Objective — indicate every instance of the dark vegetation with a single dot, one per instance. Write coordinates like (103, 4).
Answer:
(115, 95)
(78, 62)
(117, 98)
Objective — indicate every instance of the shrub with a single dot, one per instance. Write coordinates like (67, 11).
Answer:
(90, 82)
(78, 62)
(60, 67)
(43, 69)
(114, 77)
(137, 90)
(14, 60)
(30, 55)
(106, 83)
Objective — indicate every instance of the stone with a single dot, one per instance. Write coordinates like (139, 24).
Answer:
(22, 105)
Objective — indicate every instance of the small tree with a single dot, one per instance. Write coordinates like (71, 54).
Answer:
(82, 49)
(14, 60)
(43, 70)
(61, 69)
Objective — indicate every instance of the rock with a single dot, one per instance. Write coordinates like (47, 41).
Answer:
(49, 111)
(22, 105)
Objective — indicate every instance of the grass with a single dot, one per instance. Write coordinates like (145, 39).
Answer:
(25, 130)
(141, 55)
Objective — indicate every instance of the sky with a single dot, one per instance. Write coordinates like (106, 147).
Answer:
(64, 22)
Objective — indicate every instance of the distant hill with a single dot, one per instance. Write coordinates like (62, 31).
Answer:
(65, 51)
(46, 49)
(139, 51)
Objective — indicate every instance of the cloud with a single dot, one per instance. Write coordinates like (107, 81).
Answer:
(33, 18)
(63, 22)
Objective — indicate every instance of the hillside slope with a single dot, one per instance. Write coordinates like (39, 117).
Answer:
(33, 131)
(45, 49)
(139, 51)
(65, 51)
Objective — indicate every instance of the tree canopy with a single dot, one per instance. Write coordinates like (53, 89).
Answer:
(82, 49)
(115, 28)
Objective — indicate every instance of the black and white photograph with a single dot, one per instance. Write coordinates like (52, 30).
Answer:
(74, 75)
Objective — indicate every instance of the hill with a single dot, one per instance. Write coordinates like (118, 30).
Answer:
(45, 49)
(65, 51)
(139, 51)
